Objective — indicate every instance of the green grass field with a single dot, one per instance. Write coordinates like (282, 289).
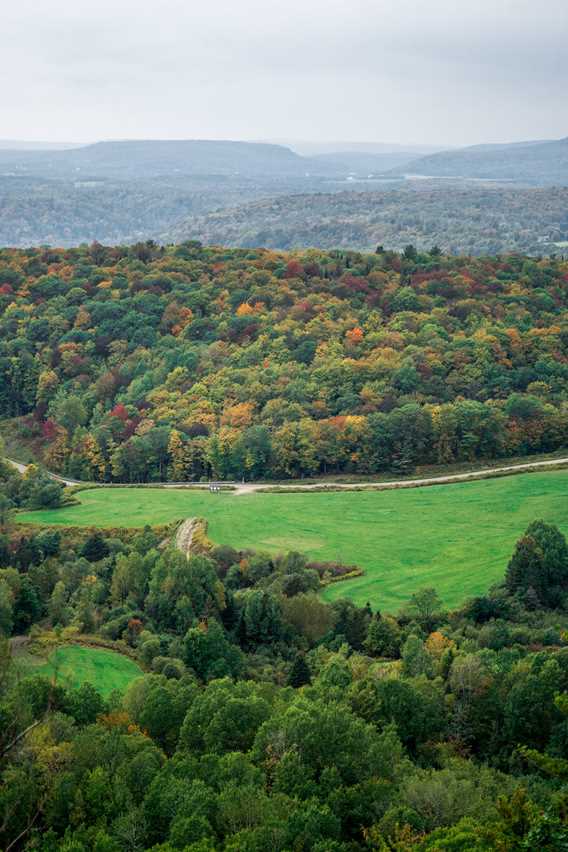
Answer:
(457, 538)
(76, 664)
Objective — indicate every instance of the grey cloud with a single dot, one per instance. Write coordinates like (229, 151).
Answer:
(398, 70)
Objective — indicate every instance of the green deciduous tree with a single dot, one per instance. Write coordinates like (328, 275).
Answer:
(540, 563)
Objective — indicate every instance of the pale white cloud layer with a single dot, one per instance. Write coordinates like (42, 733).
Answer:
(441, 71)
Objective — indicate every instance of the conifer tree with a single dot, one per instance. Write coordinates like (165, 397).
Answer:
(300, 673)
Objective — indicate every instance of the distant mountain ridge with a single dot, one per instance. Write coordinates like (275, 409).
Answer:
(154, 158)
(540, 162)
(311, 149)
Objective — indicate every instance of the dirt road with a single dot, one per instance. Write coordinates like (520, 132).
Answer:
(243, 488)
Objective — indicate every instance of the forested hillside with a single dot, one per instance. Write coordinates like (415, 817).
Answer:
(67, 212)
(541, 162)
(457, 217)
(145, 363)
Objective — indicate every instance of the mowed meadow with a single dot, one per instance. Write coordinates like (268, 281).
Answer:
(457, 538)
(74, 665)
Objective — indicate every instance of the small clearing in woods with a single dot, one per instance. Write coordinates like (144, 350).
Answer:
(73, 665)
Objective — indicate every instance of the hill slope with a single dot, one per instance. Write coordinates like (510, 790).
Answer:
(71, 211)
(149, 363)
(475, 220)
(535, 162)
(152, 158)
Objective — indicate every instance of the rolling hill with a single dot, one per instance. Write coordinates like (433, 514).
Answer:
(540, 162)
(151, 158)
(473, 220)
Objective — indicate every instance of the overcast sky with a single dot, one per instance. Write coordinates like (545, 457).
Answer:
(408, 71)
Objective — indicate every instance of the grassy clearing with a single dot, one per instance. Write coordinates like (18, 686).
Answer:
(457, 538)
(76, 664)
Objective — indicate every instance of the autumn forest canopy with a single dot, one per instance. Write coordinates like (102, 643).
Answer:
(147, 363)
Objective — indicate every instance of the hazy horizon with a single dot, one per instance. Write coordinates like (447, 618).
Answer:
(403, 72)
(329, 143)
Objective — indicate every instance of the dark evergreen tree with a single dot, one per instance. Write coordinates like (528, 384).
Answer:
(300, 673)
(95, 548)
(27, 606)
(351, 623)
